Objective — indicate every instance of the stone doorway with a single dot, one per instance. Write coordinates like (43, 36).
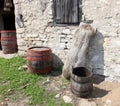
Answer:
(7, 17)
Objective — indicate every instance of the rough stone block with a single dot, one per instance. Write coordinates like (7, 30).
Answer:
(62, 46)
(66, 31)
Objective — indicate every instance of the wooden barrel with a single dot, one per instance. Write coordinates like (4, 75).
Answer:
(39, 60)
(81, 81)
(8, 41)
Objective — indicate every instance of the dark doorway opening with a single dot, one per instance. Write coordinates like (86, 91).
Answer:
(0, 42)
(9, 21)
(7, 18)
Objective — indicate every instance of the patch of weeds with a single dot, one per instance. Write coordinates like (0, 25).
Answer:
(65, 82)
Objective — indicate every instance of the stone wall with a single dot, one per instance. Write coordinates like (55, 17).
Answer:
(35, 27)
(105, 49)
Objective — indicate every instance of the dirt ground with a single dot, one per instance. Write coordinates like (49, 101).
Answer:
(7, 56)
(105, 93)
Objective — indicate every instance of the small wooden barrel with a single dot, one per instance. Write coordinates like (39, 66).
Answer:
(8, 41)
(81, 81)
(39, 60)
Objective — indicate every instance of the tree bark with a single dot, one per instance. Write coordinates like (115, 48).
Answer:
(78, 53)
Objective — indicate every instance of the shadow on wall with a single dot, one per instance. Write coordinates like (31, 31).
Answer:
(57, 65)
(96, 54)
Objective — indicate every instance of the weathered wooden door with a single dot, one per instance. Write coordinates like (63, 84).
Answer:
(66, 11)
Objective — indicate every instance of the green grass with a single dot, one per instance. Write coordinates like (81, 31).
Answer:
(16, 82)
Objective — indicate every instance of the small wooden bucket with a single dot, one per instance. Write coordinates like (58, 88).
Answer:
(81, 81)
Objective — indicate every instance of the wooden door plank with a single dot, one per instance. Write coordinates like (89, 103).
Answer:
(67, 11)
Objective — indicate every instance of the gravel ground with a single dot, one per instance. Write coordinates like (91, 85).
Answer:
(7, 56)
